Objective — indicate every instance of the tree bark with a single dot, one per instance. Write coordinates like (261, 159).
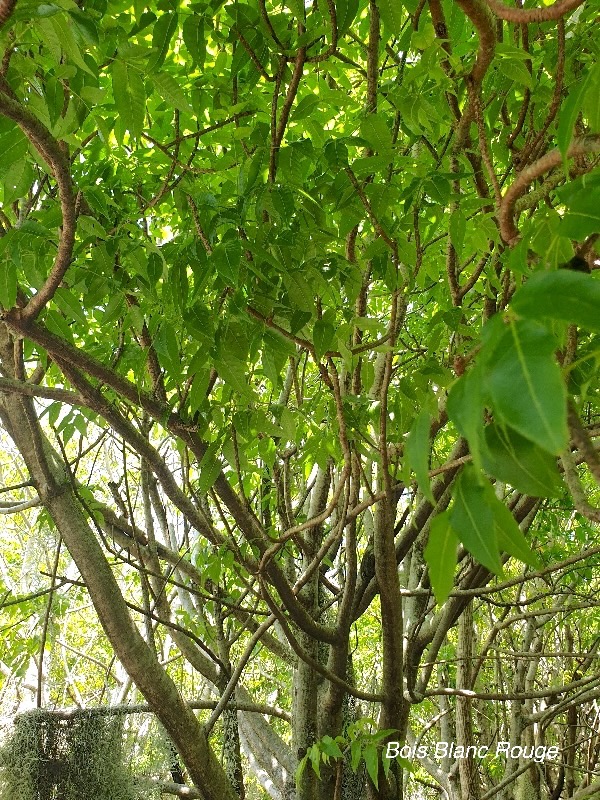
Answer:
(54, 486)
(469, 781)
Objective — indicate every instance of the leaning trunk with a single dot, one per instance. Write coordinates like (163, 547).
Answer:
(56, 491)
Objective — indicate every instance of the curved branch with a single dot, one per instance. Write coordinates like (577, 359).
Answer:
(506, 223)
(524, 15)
(332, 48)
(483, 22)
(577, 492)
(51, 151)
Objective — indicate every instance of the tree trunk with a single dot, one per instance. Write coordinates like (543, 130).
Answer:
(306, 681)
(469, 780)
(54, 486)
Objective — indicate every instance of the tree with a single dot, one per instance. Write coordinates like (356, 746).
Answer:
(292, 371)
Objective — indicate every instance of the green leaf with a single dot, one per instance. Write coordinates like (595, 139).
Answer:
(579, 298)
(130, 96)
(392, 15)
(472, 519)
(136, 316)
(179, 285)
(508, 534)
(162, 33)
(516, 460)
(171, 91)
(306, 107)
(417, 452)
(301, 767)
(583, 216)
(323, 337)
(234, 373)
(8, 284)
(314, 755)
(424, 37)
(297, 8)
(69, 305)
(194, 38)
(526, 386)
(440, 555)
(465, 409)
(62, 27)
(346, 11)
(591, 106)
(227, 258)
(516, 71)
(58, 325)
(457, 226)
(91, 227)
(209, 469)
(299, 290)
(17, 181)
(282, 200)
(336, 153)
(85, 25)
(155, 268)
(369, 165)
(376, 132)
(355, 754)
(371, 757)
(13, 147)
(168, 348)
(47, 10)
(54, 95)
(569, 111)
(330, 747)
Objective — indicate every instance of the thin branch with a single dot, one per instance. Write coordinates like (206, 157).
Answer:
(46, 392)
(52, 153)
(371, 214)
(253, 57)
(18, 507)
(209, 129)
(535, 15)
(509, 696)
(506, 223)
(285, 111)
(237, 673)
(144, 708)
(198, 225)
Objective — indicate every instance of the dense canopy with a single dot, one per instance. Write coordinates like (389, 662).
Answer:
(299, 350)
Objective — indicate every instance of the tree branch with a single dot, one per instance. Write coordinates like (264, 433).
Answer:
(51, 151)
(506, 223)
(522, 16)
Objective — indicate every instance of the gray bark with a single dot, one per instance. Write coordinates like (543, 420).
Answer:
(469, 780)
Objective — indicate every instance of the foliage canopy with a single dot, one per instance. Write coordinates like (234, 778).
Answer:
(294, 387)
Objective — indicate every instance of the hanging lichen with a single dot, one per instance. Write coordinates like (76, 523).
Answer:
(53, 758)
